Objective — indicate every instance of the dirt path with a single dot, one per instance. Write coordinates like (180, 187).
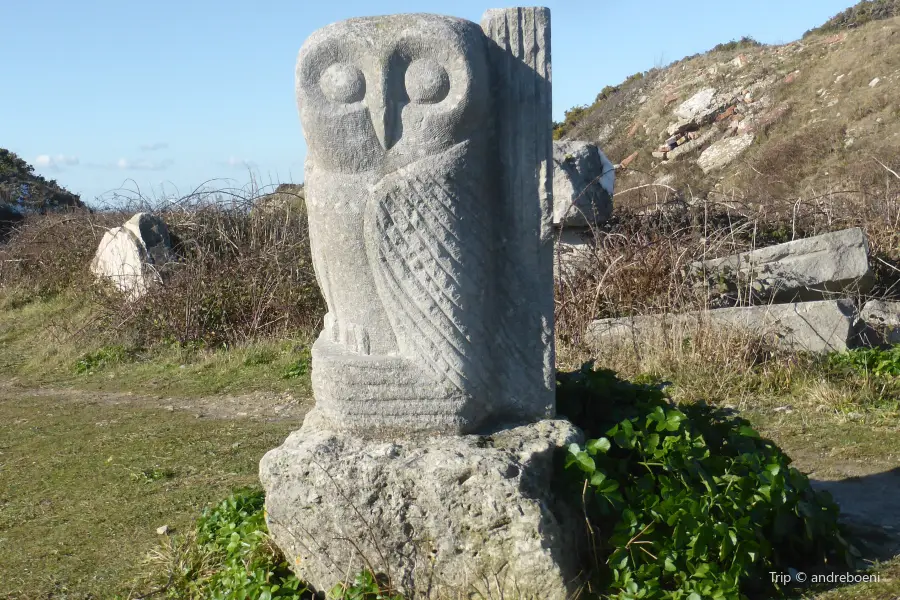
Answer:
(868, 493)
(260, 406)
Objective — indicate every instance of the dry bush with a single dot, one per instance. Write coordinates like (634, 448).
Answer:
(44, 255)
(241, 273)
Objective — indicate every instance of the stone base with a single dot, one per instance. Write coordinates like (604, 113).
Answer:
(442, 516)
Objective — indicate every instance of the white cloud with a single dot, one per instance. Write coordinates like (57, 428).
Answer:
(143, 165)
(55, 162)
(239, 163)
(154, 146)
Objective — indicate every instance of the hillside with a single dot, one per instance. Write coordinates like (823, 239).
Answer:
(21, 189)
(754, 124)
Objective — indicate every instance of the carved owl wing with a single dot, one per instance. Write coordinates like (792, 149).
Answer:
(426, 234)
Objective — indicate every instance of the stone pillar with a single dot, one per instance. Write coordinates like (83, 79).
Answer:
(429, 454)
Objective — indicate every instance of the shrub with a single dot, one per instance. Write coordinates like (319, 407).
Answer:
(688, 501)
(229, 556)
(876, 362)
(741, 44)
(860, 14)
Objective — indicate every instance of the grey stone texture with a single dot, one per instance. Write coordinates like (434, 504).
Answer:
(816, 327)
(133, 255)
(724, 152)
(429, 197)
(882, 322)
(807, 269)
(442, 516)
(583, 184)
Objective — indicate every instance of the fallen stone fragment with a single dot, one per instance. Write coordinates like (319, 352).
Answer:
(696, 105)
(806, 269)
(882, 322)
(629, 159)
(817, 327)
(724, 152)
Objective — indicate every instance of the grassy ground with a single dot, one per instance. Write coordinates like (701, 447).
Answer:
(94, 459)
(84, 486)
(53, 343)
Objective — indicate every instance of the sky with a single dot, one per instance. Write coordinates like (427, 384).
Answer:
(161, 97)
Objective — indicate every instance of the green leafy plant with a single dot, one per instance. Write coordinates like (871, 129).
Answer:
(152, 474)
(91, 362)
(234, 533)
(366, 586)
(688, 501)
(300, 367)
(878, 362)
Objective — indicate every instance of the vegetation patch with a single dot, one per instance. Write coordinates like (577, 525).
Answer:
(689, 501)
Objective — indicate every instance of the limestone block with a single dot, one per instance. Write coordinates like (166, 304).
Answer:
(724, 152)
(818, 327)
(807, 269)
(132, 256)
(583, 184)
(443, 516)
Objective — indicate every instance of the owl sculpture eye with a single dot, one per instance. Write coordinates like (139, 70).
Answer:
(427, 82)
(343, 83)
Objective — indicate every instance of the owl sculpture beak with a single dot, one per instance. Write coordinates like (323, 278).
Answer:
(383, 113)
(383, 121)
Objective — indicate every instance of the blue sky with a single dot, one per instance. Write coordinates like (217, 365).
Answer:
(101, 94)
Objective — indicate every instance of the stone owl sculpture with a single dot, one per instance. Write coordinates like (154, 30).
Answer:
(429, 229)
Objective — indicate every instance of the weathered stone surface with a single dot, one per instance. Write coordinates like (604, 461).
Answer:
(818, 327)
(440, 514)
(583, 184)
(287, 198)
(882, 322)
(693, 144)
(573, 251)
(429, 197)
(131, 256)
(723, 152)
(806, 269)
(698, 104)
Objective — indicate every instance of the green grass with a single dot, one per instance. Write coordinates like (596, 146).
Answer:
(62, 342)
(84, 486)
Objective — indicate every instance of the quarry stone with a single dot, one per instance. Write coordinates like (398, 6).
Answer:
(132, 256)
(439, 514)
(696, 105)
(816, 327)
(583, 184)
(882, 322)
(806, 269)
(724, 152)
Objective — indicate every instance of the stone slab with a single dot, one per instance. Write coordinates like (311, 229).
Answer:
(817, 327)
(808, 269)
